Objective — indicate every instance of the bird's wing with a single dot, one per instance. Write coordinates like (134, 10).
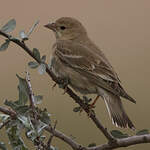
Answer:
(87, 63)
(90, 65)
(82, 57)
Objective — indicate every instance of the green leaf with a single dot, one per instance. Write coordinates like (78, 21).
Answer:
(14, 135)
(9, 26)
(44, 116)
(118, 134)
(42, 69)
(36, 53)
(23, 36)
(33, 64)
(5, 45)
(23, 91)
(31, 134)
(39, 127)
(43, 59)
(2, 146)
(26, 121)
(142, 132)
(76, 109)
(38, 99)
(92, 145)
(11, 104)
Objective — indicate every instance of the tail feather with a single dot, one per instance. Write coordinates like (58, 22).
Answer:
(116, 111)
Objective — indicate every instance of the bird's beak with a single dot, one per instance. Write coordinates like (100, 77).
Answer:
(51, 26)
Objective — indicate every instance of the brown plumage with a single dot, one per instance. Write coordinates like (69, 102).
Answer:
(77, 58)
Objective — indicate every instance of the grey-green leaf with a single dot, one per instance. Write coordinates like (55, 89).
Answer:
(118, 134)
(42, 69)
(23, 36)
(33, 64)
(26, 121)
(9, 26)
(43, 59)
(14, 135)
(23, 91)
(36, 53)
(4, 117)
(5, 45)
(76, 109)
(38, 99)
(142, 132)
(2, 146)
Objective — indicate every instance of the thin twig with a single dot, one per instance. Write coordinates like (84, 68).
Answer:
(7, 111)
(31, 95)
(51, 137)
(125, 142)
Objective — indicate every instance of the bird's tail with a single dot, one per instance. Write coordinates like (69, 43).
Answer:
(116, 111)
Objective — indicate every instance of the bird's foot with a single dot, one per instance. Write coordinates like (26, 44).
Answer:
(89, 107)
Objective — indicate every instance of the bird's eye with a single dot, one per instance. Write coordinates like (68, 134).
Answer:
(62, 27)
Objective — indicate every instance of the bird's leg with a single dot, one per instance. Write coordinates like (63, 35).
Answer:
(94, 102)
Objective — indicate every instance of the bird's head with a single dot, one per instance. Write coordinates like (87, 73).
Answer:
(67, 28)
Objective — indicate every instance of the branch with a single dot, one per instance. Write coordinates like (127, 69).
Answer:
(125, 142)
(9, 112)
(75, 97)
(51, 130)
(65, 138)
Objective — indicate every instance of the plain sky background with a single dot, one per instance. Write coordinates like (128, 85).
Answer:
(120, 27)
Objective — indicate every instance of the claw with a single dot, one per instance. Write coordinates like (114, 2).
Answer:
(54, 86)
(65, 90)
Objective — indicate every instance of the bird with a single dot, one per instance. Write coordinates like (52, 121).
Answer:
(77, 58)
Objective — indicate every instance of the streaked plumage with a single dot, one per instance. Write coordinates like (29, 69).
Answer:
(77, 58)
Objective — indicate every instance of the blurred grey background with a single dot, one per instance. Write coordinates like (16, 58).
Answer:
(120, 28)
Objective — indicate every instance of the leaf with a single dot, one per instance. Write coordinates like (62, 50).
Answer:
(32, 28)
(9, 26)
(42, 69)
(2, 146)
(23, 36)
(26, 121)
(92, 145)
(5, 45)
(23, 91)
(23, 109)
(45, 116)
(142, 132)
(39, 127)
(38, 99)
(33, 64)
(43, 59)
(76, 109)
(11, 104)
(14, 135)
(4, 117)
(118, 134)
(31, 134)
(36, 53)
